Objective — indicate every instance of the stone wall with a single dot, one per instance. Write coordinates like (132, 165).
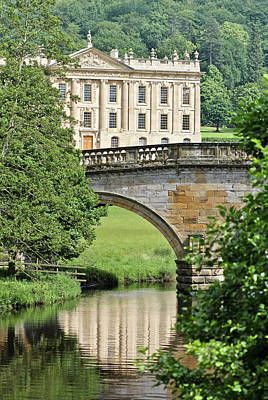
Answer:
(185, 197)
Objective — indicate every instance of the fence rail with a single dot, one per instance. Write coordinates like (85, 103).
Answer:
(76, 271)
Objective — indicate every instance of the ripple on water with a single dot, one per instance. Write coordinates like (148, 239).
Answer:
(88, 352)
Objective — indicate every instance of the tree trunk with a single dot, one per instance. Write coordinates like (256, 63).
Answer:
(11, 267)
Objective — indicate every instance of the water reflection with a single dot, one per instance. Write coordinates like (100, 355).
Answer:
(112, 327)
(87, 351)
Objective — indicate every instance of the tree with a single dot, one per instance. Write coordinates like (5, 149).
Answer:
(254, 123)
(254, 54)
(245, 95)
(232, 61)
(227, 329)
(209, 39)
(215, 99)
(109, 35)
(47, 208)
(175, 42)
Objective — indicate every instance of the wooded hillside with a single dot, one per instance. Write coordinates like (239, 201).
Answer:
(231, 34)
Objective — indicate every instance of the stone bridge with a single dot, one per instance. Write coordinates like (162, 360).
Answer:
(176, 187)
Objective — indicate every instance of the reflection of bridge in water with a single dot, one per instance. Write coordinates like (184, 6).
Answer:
(112, 328)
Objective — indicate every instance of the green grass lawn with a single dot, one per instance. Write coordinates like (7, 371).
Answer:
(130, 248)
(209, 132)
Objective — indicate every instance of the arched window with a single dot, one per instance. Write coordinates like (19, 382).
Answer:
(114, 141)
(164, 140)
(142, 141)
(186, 140)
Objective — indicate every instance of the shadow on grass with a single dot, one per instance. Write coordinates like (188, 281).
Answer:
(99, 279)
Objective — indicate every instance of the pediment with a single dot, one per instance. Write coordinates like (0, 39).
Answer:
(95, 59)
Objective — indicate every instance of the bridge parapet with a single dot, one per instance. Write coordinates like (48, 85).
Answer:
(166, 155)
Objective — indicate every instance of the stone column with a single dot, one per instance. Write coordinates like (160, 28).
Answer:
(124, 106)
(75, 92)
(154, 103)
(175, 108)
(75, 112)
(131, 114)
(102, 106)
(197, 110)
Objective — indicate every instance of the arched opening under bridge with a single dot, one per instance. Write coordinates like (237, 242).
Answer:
(145, 212)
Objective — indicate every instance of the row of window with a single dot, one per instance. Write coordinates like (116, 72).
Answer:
(142, 141)
(87, 94)
(87, 121)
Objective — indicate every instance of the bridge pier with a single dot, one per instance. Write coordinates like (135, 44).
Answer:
(189, 278)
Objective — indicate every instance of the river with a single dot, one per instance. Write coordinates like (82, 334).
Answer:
(86, 349)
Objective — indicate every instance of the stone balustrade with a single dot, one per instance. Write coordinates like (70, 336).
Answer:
(164, 155)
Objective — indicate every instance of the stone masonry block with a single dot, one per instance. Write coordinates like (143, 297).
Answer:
(189, 213)
(187, 220)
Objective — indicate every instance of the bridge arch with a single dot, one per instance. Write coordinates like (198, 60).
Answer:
(147, 213)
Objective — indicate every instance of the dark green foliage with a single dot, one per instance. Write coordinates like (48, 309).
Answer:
(46, 205)
(232, 61)
(245, 95)
(28, 27)
(47, 208)
(231, 35)
(227, 329)
(100, 279)
(215, 100)
(253, 123)
(255, 54)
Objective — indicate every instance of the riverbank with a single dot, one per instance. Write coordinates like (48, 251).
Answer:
(128, 249)
(18, 294)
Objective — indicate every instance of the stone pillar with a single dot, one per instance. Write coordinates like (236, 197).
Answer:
(102, 106)
(197, 110)
(75, 92)
(175, 108)
(75, 111)
(154, 103)
(131, 114)
(191, 279)
(124, 106)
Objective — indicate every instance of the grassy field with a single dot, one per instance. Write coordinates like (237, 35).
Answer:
(209, 132)
(16, 294)
(129, 248)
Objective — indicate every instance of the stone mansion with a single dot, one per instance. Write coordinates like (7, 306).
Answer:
(116, 102)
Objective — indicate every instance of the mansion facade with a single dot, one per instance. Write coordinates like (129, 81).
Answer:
(117, 102)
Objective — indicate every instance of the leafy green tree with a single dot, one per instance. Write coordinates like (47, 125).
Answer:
(227, 329)
(109, 35)
(155, 29)
(255, 54)
(232, 60)
(209, 40)
(47, 207)
(215, 99)
(175, 42)
(254, 123)
(83, 13)
(245, 95)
